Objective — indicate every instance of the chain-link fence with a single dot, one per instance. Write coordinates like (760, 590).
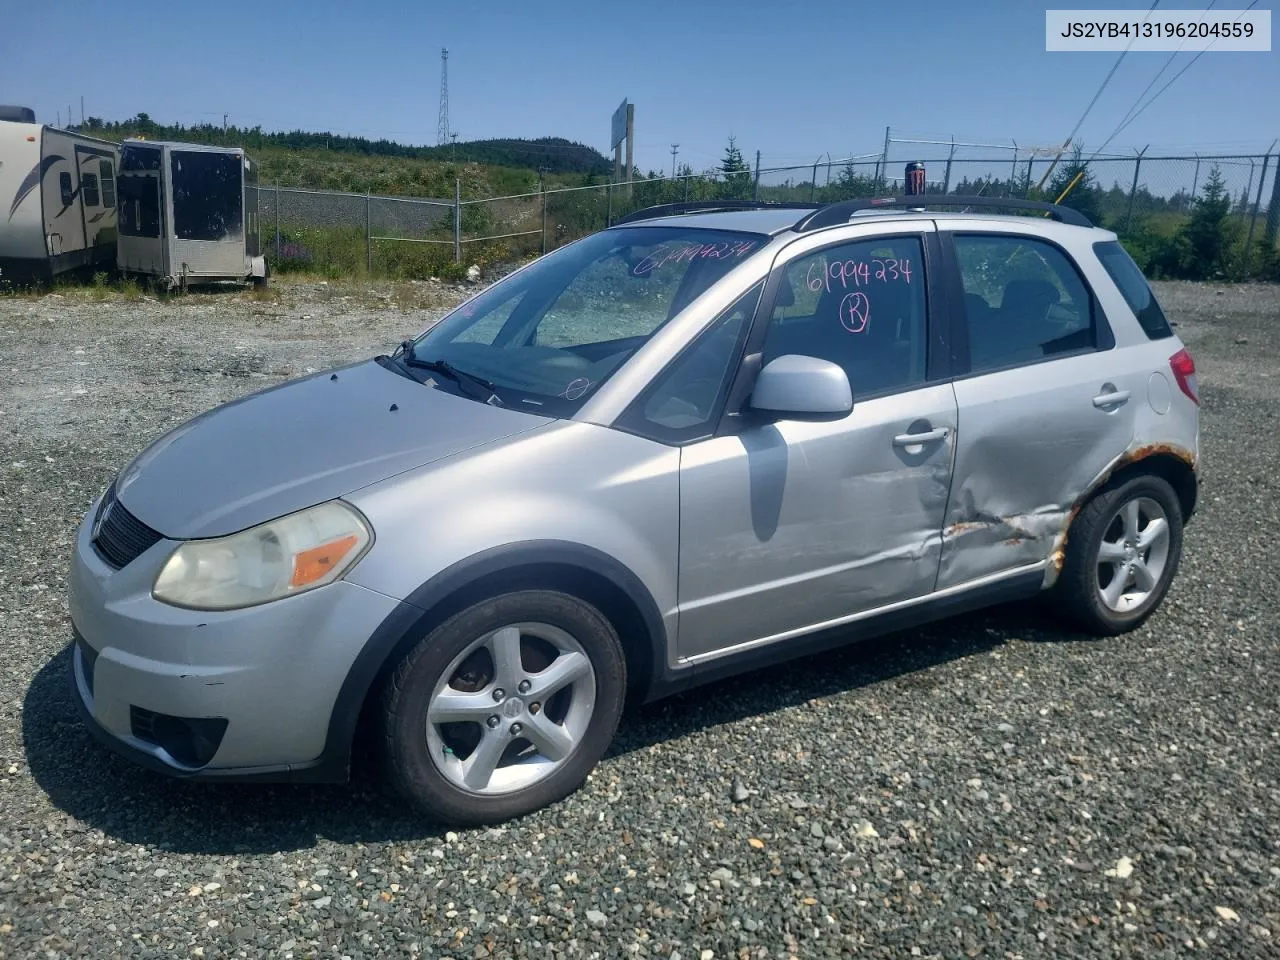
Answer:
(1148, 201)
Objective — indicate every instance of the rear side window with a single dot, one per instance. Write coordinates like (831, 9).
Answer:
(1024, 301)
(1134, 288)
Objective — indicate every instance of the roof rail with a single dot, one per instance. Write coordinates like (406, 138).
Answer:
(838, 213)
(707, 206)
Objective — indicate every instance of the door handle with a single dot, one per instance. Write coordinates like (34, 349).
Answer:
(1112, 399)
(914, 439)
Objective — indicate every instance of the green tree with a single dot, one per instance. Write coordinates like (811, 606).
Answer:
(1086, 195)
(735, 171)
(852, 184)
(1208, 237)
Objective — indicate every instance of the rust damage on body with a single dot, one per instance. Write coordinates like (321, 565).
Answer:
(1015, 525)
(1059, 555)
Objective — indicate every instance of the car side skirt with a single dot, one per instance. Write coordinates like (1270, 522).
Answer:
(1014, 585)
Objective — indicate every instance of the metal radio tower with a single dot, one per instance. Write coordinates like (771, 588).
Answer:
(442, 135)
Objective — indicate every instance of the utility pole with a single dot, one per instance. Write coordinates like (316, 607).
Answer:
(455, 146)
(224, 123)
(82, 110)
(675, 148)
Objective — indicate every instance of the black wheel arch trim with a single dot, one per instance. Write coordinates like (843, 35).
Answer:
(426, 606)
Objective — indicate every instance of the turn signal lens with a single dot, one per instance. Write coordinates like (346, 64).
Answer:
(316, 563)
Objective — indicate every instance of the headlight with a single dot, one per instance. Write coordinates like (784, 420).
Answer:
(276, 559)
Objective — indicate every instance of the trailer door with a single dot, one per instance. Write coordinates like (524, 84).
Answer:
(140, 206)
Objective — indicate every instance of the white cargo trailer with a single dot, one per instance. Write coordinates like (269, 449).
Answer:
(57, 199)
(188, 214)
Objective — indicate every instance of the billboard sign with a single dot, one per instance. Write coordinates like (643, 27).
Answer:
(618, 132)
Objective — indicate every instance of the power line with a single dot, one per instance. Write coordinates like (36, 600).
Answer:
(1159, 73)
(1111, 73)
(1172, 80)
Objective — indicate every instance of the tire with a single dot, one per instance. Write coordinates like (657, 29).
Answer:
(1084, 591)
(260, 283)
(439, 763)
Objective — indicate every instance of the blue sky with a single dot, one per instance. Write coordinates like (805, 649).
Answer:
(795, 81)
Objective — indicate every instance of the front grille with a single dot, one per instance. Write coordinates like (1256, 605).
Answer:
(121, 537)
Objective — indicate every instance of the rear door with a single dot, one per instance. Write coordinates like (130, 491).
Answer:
(1046, 398)
(789, 525)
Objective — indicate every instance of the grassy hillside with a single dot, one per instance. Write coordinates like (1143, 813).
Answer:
(332, 162)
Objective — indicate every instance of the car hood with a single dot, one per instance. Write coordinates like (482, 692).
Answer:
(302, 443)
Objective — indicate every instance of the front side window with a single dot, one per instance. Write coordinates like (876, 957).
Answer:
(208, 203)
(549, 336)
(681, 403)
(89, 189)
(1024, 301)
(65, 188)
(861, 305)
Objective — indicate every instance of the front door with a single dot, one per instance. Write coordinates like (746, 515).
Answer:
(790, 525)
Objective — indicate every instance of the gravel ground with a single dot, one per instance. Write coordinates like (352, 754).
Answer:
(992, 786)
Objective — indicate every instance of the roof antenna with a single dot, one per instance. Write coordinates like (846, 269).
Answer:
(914, 182)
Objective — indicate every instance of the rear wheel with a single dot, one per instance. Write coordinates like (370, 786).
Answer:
(504, 708)
(1122, 554)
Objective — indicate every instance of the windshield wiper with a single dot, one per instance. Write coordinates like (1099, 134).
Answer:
(462, 377)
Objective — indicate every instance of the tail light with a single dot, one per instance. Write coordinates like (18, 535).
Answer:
(1184, 371)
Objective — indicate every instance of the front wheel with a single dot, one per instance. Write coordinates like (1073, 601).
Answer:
(504, 708)
(1122, 554)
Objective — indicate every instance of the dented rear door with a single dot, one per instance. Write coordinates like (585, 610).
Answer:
(1035, 431)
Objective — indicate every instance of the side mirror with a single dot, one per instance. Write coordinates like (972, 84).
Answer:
(795, 387)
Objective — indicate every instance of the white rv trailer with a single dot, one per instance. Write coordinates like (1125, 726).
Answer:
(57, 199)
(188, 213)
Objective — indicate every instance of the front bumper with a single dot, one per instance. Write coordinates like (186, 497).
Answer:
(212, 694)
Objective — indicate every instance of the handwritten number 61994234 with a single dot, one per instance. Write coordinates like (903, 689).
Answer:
(855, 273)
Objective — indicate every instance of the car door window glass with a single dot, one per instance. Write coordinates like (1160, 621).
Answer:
(1023, 301)
(861, 305)
(64, 186)
(681, 403)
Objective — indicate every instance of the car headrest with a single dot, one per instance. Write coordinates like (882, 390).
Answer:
(1029, 294)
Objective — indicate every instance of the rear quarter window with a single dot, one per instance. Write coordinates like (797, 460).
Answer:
(1133, 286)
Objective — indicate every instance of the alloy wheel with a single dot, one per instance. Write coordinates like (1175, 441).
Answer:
(511, 708)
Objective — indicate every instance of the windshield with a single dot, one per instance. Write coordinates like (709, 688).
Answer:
(548, 337)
